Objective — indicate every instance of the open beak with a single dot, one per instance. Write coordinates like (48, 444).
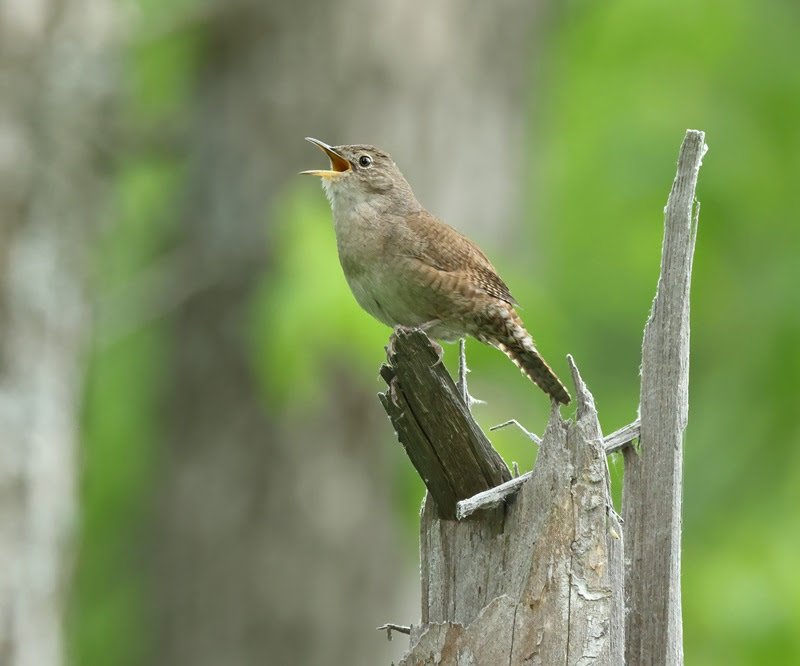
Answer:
(338, 163)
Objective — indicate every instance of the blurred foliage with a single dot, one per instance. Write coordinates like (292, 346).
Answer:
(121, 433)
(300, 320)
(626, 79)
(618, 82)
(108, 623)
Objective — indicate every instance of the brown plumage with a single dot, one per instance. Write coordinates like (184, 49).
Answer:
(443, 248)
(406, 267)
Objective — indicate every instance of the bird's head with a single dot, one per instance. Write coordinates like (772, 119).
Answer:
(361, 174)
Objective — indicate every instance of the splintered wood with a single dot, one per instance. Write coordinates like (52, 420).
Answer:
(540, 569)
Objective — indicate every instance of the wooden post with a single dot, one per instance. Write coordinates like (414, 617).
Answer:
(446, 446)
(653, 486)
(538, 569)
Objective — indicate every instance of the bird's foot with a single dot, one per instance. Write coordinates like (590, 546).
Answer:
(393, 337)
(425, 327)
(402, 329)
(422, 327)
(439, 352)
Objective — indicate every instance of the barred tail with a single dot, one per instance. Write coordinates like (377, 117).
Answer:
(512, 338)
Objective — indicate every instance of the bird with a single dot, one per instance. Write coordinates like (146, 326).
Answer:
(409, 269)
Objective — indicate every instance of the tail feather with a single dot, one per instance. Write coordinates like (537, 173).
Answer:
(534, 367)
(516, 343)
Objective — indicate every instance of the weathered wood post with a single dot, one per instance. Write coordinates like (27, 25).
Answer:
(653, 485)
(540, 569)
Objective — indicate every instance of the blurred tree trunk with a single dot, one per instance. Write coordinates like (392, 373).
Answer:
(244, 574)
(56, 84)
(273, 541)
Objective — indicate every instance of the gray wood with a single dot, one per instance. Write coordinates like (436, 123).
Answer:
(452, 455)
(527, 581)
(490, 498)
(541, 570)
(619, 439)
(531, 436)
(654, 481)
(616, 441)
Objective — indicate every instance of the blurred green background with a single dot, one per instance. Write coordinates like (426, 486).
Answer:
(242, 497)
(613, 87)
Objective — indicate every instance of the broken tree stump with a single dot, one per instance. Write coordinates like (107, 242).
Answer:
(487, 590)
(540, 569)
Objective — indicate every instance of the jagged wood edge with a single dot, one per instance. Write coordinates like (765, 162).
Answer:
(653, 482)
(614, 442)
(449, 450)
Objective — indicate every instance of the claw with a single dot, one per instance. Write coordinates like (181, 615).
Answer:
(439, 352)
(393, 392)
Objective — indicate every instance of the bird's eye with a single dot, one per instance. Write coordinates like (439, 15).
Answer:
(365, 160)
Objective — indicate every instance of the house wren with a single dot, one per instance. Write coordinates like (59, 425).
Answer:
(407, 268)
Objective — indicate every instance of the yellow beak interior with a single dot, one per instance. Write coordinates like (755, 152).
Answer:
(338, 163)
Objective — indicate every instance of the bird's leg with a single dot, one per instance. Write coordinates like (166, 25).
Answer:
(428, 324)
(425, 328)
(462, 376)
